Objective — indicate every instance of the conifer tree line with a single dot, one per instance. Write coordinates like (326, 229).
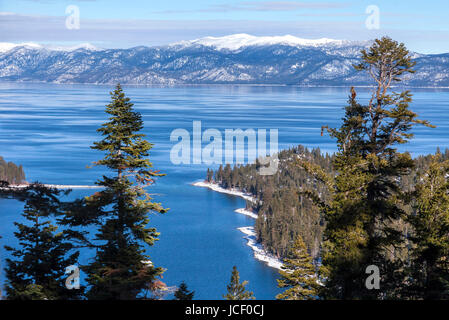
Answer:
(373, 205)
(282, 214)
(11, 173)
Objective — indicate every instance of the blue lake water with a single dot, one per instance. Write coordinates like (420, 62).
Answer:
(49, 128)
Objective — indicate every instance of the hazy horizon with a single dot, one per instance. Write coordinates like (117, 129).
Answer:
(422, 26)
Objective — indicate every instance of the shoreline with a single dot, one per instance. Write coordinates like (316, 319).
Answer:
(56, 186)
(250, 235)
(180, 84)
(259, 252)
(246, 213)
(217, 188)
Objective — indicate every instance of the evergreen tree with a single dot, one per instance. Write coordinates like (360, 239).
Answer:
(182, 293)
(366, 212)
(121, 269)
(237, 290)
(36, 270)
(429, 275)
(298, 275)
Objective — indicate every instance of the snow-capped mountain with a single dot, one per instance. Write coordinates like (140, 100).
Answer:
(6, 46)
(236, 42)
(238, 58)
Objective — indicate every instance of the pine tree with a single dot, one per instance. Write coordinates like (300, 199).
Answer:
(367, 204)
(237, 290)
(121, 269)
(182, 293)
(36, 270)
(210, 175)
(298, 274)
(429, 274)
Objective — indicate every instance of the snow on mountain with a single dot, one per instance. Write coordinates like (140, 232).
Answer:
(7, 46)
(237, 41)
(85, 46)
(236, 59)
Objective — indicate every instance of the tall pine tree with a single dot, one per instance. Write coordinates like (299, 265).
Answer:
(237, 290)
(298, 274)
(366, 211)
(121, 269)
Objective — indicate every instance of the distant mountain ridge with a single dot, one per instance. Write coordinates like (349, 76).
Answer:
(234, 59)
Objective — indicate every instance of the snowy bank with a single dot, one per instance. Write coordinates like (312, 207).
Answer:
(250, 235)
(56, 186)
(216, 187)
(247, 213)
(259, 252)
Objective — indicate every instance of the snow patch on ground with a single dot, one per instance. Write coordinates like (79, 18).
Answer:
(217, 188)
(259, 252)
(250, 235)
(56, 186)
(246, 213)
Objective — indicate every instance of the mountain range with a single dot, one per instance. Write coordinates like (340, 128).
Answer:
(234, 59)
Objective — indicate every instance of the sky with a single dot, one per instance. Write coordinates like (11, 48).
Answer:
(422, 25)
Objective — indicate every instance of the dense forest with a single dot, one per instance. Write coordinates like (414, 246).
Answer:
(10, 172)
(283, 212)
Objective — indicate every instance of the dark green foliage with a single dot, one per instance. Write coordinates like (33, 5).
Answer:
(182, 293)
(121, 269)
(11, 173)
(429, 268)
(365, 217)
(298, 274)
(36, 269)
(283, 214)
(237, 290)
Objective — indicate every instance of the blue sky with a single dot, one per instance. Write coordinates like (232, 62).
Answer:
(422, 25)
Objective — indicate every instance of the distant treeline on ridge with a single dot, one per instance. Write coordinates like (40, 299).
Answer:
(10, 172)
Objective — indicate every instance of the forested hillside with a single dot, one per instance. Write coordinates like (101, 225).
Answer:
(10, 172)
(283, 213)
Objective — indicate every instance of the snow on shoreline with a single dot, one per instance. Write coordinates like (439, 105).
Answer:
(246, 213)
(259, 252)
(217, 188)
(56, 186)
(250, 235)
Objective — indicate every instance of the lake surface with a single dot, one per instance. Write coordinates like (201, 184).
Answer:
(49, 128)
